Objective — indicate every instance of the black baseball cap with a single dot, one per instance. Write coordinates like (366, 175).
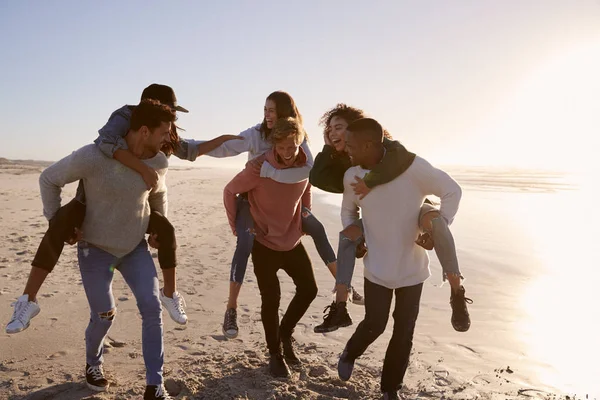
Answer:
(163, 93)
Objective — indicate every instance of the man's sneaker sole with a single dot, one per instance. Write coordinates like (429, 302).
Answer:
(13, 331)
(97, 388)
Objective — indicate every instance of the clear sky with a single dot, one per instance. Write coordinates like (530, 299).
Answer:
(512, 82)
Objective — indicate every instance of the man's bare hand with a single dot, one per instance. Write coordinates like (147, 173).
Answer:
(76, 237)
(153, 241)
(361, 249)
(360, 188)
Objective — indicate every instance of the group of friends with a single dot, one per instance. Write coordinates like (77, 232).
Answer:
(386, 217)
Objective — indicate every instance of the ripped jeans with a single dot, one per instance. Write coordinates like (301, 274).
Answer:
(244, 224)
(97, 270)
(443, 244)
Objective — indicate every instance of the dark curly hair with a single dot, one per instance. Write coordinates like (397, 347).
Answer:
(348, 114)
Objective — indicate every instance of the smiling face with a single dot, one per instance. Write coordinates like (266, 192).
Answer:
(287, 150)
(337, 132)
(270, 113)
(156, 138)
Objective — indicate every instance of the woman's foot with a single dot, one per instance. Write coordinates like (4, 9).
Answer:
(337, 317)
(461, 321)
(230, 328)
(175, 306)
(24, 312)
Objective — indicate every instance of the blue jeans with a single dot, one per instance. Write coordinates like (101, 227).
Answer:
(97, 270)
(443, 240)
(245, 239)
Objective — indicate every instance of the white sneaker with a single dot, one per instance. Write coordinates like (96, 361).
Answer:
(25, 310)
(175, 307)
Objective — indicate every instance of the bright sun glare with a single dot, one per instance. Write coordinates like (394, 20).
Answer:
(551, 121)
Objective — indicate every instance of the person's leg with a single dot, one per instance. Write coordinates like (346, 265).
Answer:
(337, 315)
(172, 300)
(433, 224)
(350, 238)
(167, 250)
(244, 226)
(60, 229)
(378, 300)
(266, 264)
(97, 269)
(314, 228)
(406, 311)
(298, 266)
(139, 272)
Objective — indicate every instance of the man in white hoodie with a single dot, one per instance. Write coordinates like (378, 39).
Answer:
(394, 264)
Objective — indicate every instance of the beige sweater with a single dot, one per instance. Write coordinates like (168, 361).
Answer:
(118, 203)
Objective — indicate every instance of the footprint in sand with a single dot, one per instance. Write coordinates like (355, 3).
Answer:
(115, 343)
(244, 318)
(56, 355)
(441, 378)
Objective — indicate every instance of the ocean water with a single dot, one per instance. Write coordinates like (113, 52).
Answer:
(528, 245)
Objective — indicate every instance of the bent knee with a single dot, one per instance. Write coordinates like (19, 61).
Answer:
(309, 291)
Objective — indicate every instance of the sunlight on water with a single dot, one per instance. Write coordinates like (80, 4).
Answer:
(561, 328)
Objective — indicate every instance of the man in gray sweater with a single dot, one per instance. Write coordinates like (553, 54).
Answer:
(113, 236)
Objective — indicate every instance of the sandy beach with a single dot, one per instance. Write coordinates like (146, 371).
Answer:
(501, 357)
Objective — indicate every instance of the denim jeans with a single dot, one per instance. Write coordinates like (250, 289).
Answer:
(297, 265)
(378, 301)
(444, 247)
(245, 239)
(97, 270)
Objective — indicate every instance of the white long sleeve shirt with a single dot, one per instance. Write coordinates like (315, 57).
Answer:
(255, 145)
(390, 215)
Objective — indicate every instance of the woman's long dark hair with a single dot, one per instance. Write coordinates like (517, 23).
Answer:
(286, 108)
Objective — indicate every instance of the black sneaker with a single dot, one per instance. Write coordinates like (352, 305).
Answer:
(337, 317)
(277, 366)
(460, 315)
(94, 377)
(288, 350)
(230, 328)
(154, 392)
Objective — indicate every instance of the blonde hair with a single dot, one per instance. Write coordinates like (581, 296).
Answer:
(286, 127)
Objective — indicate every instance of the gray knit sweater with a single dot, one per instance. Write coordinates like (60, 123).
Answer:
(118, 203)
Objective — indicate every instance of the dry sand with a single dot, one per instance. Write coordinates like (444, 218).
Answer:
(47, 360)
